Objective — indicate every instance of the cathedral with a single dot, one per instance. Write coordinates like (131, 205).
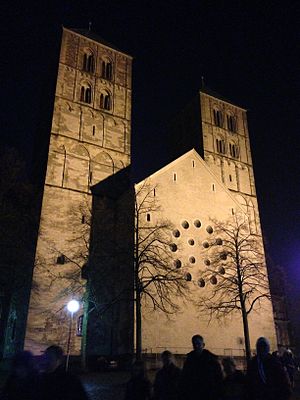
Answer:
(86, 228)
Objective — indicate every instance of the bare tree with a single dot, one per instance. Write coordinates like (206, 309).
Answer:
(236, 271)
(157, 278)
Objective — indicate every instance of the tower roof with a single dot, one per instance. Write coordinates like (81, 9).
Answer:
(212, 93)
(94, 36)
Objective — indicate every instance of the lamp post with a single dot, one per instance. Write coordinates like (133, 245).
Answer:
(72, 307)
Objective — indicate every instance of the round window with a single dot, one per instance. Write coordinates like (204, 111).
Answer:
(197, 223)
(207, 262)
(173, 247)
(176, 233)
(205, 245)
(177, 263)
(213, 280)
(201, 282)
(185, 224)
(191, 242)
(188, 277)
(192, 260)
(219, 241)
(221, 270)
(209, 229)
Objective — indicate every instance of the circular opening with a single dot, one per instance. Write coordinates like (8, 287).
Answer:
(219, 241)
(191, 242)
(188, 277)
(223, 255)
(207, 262)
(201, 282)
(176, 233)
(173, 247)
(192, 260)
(213, 280)
(185, 224)
(209, 229)
(205, 245)
(197, 223)
(221, 270)
(177, 263)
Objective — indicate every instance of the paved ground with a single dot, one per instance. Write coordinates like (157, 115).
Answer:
(111, 386)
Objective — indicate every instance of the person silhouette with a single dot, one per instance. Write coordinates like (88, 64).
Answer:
(55, 382)
(139, 386)
(167, 379)
(201, 374)
(22, 382)
(266, 377)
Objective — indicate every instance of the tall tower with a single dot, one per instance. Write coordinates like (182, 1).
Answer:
(89, 141)
(218, 131)
(226, 149)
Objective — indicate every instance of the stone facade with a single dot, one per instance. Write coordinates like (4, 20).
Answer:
(89, 141)
(90, 146)
(216, 182)
(190, 195)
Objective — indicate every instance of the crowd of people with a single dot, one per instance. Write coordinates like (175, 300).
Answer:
(203, 377)
(45, 380)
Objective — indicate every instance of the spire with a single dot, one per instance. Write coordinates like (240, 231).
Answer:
(202, 82)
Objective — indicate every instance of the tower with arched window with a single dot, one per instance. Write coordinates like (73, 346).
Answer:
(89, 141)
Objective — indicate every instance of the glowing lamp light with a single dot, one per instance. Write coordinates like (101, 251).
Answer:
(73, 306)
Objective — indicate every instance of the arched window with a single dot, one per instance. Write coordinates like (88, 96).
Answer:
(220, 144)
(234, 150)
(231, 122)
(218, 117)
(88, 63)
(86, 93)
(106, 69)
(105, 101)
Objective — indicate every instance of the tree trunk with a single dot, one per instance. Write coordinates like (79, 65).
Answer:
(243, 308)
(138, 325)
(84, 328)
(246, 333)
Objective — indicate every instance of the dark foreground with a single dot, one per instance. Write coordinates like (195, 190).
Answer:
(111, 385)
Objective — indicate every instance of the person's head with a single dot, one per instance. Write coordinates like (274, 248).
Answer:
(262, 347)
(166, 358)
(54, 357)
(22, 364)
(198, 343)
(228, 365)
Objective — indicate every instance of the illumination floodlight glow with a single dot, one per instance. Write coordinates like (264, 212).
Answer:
(73, 306)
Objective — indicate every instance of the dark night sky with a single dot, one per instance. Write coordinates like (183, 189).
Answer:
(247, 51)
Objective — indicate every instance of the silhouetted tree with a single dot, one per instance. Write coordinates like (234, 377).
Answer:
(157, 278)
(236, 271)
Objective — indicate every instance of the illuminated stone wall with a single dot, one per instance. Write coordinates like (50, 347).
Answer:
(90, 140)
(188, 191)
(193, 188)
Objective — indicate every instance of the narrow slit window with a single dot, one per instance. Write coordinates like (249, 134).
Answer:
(174, 176)
(148, 217)
(94, 129)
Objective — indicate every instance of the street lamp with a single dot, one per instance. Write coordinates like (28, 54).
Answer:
(72, 307)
